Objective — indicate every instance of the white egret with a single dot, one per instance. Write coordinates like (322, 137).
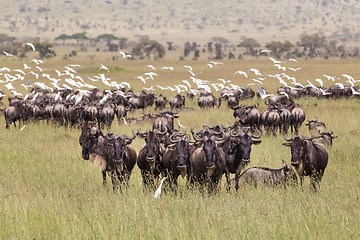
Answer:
(158, 190)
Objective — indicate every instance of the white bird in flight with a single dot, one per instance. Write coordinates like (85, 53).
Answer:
(262, 93)
(30, 45)
(104, 67)
(37, 61)
(211, 66)
(8, 54)
(124, 55)
(188, 67)
(167, 68)
(216, 63)
(158, 190)
(151, 66)
(151, 75)
(275, 61)
(264, 51)
(329, 78)
(242, 73)
(294, 69)
(354, 92)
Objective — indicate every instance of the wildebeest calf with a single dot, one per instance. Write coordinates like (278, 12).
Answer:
(269, 177)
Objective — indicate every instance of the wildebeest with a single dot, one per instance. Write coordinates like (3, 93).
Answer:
(270, 119)
(59, 113)
(160, 102)
(325, 138)
(237, 148)
(280, 99)
(121, 112)
(248, 116)
(164, 121)
(285, 119)
(176, 158)
(90, 113)
(208, 160)
(297, 117)
(149, 156)
(308, 157)
(124, 157)
(316, 125)
(177, 102)
(256, 176)
(106, 115)
(14, 113)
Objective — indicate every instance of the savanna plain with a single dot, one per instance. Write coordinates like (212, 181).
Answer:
(47, 191)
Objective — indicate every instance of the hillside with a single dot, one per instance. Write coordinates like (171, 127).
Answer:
(183, 19)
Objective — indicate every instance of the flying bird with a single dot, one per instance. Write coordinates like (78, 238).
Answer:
(354, 92)
(280, 67)
(264, 51)
(151, 66)
(37, 61)
(124, 55)
(255, 71)
(30, 45)
(242, 72)
(323, 92)
(26, 66)
(275, 61)
(141, 78)
(294, 69)
(330, 78)
(216, 63)
(104, 67)
(211, 66)
(320, 82)
(292, 60)
(151, 75)
(312, 85)
(188, 67)
(262, 93)
(167, 68)
(8, 54)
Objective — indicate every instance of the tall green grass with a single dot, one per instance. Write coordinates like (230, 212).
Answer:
(48, 191)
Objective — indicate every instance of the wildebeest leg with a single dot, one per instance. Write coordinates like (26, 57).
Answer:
(218, 187)
(104, 178)
(227, 174)
(237, 181)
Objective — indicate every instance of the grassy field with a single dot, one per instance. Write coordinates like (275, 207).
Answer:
(47, 191)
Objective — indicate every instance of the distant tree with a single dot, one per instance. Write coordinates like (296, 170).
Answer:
(210, 47)
(278, 48)
(231, 55)
(78, 37)
(187, 49)
(107, 37)
(170, 46)
(249, 44)
(44, 49)
(123, 43)
(149, 48)
(311, 43)
(197, 53)
(218, 51)
(4, 38)
(63, 37)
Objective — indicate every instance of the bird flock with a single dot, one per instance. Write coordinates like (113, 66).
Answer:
(34, 74)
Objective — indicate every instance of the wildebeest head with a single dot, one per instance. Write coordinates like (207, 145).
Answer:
(242, 143)
(180, 146)
(120, 149)
(209, 140)
(152, 145)
(297, 148)
(290, 175)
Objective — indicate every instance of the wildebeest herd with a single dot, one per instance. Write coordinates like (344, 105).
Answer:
(203, 156)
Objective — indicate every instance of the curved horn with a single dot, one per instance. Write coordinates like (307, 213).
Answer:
(256, 137)
(286, 139)
(235, 135)
(124, 137)
(182, 134)
(159, 132)
(140, 133)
